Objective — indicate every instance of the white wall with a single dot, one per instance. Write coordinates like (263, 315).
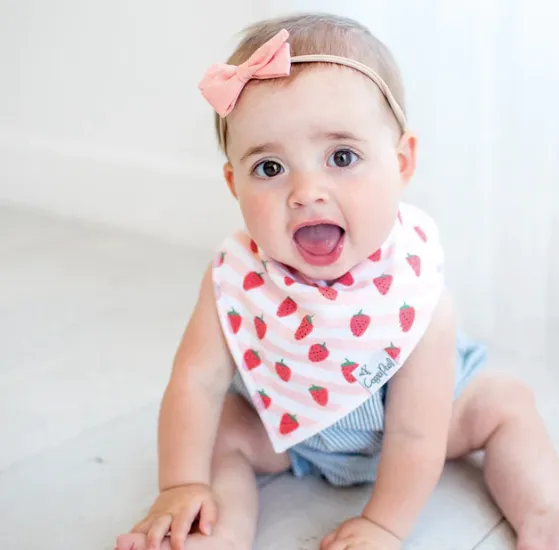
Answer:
(100, 118)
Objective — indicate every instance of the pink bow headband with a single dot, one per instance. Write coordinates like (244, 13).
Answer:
(222, 84)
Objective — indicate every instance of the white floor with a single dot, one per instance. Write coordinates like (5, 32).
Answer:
(89, 321)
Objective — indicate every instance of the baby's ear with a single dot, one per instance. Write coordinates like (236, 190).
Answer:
(407, 153)
(229, 176)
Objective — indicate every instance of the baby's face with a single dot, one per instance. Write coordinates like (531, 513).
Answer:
(317, 169)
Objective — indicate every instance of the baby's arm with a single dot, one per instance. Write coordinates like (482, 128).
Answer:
(419, 407)
(188, 423)
(192, 403)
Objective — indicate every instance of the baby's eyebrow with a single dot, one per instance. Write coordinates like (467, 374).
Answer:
(336, 136)
(259, 149)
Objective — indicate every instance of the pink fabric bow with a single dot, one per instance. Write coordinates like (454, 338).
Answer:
(222, 84)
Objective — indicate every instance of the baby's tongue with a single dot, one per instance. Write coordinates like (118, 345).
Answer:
(319, 240)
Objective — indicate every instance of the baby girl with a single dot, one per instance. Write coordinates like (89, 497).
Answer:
(324, 341)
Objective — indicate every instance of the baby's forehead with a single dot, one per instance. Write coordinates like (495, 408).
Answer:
(320, 83)
(317, 98)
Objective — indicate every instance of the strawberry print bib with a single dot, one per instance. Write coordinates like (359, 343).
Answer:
(310, 353)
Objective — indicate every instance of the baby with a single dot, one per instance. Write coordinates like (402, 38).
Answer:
(324, 341)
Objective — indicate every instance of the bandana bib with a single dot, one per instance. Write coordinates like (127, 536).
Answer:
(310, 353)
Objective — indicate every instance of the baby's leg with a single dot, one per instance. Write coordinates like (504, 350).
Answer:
(521, 468)
(242, 447)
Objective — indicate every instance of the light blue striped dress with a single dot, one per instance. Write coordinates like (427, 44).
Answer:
(348, 452)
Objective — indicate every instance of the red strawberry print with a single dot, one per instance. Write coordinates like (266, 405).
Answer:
(266, 401)
(400, 217)
(359, 324)
(346, 280)
(383, 283)
(347, 370)
(393, 351)
(288, 424)
(305, 328)
(287, 307)
(235, 320)
(318, 353)
(260, 326)
(253, 246)
(319, 394)
(252, 359)
(407, 317)
(220, 259)
(283, 371)
(328, 292)
(288, 281)
(376, 256)
(415, 263)
(253, 280)
(421, 233)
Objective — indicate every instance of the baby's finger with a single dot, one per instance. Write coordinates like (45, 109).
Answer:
(179, 530)
(142, 526)
(327, 540)
(208, 516)
(134, 541)
(183, 522)
(159, 528)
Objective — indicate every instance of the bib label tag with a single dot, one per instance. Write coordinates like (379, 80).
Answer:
(377, 371)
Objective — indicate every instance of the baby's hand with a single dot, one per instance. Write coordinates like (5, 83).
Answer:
(175, 510)
(360, 534)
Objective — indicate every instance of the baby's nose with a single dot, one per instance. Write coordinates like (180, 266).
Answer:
(307, 189)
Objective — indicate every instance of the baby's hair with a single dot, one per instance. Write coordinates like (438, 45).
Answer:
(322, 33)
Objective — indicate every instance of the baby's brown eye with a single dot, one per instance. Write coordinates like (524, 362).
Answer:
(268, 169)
(342, 158)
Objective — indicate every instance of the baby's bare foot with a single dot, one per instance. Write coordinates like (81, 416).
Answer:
(195, 541)
(540, 532)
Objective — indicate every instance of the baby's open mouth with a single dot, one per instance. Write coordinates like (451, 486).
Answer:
(319, 240)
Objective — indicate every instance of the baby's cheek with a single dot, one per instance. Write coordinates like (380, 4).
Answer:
(259, 217)
(373, 213)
